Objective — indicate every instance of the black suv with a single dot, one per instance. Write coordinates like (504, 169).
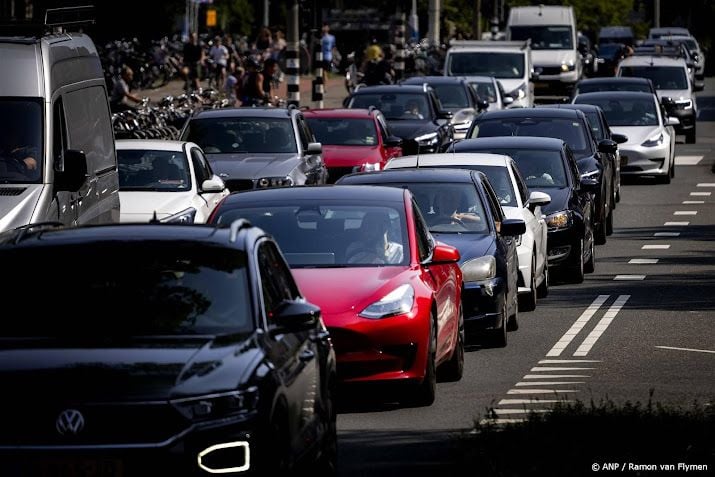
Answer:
(160, 350)
(413, 113)
(253, 148)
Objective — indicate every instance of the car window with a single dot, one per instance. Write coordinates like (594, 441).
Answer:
(277, 283)
(150, 170)
(663, 77)
(59, 134)
(485, 90)
(520, 184)
(594, 121)
(625, 111)
(200, 166)
(486, 63)
(424, 239)
(395, 106)
(90, 128)
(306, 134)
(452, 96)
(384, 127)
(235, 135)
(573, 166)
(344, 131)
(494, 207)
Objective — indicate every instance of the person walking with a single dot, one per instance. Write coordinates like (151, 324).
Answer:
(193, 57)
(327, 46)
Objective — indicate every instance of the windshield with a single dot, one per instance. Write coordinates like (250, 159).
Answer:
(595, 124)
(498, 177)
(485, 90)
(452, 96)
(613, 86)
(663, 77)
(544, 37)
(344, 132)
(331, 234)
(395, 106)
(487, 63)
(139, 289)
(540, 169)
(21, 156)
(242, 135)
(159, 171)
(626, 111)
(610, 50)
(571, 131)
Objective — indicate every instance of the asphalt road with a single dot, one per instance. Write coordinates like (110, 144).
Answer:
(641, 324)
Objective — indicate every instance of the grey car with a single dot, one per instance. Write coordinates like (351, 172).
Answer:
(252, 148)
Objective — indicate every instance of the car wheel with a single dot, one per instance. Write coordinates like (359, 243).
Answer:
(453, 369)
(690, 136)
(542, 291)
(498, 338)
(600, 231)
(590, 265)
(327, 463)
(672, 169)
(609, 223)
(527, 302)
(576, 270)
(425, 392)
(618, 193)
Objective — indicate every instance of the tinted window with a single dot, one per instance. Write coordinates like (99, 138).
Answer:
(331, 234)
(21, 130)
(344, 132)
(613, 86)
(499, 65)
(485, 90)
(571, 131)
(147, 288)
(451, 96)
(594, 121)
(538, 168)
(242, 135)
(626, 111)
(663, 77)
(395, 105)
(90, 129)
(161, 171)
(424, 242)
(544, 37)
(201, 166)
(498, 177)
(277, 283)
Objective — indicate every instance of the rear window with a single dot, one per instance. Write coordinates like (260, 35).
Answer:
(663, 77)
(344, 131)
(242, 135)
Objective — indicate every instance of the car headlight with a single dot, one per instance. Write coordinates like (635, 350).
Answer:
(479, 269)
(184, 217)
(566, 67)
(398, 302)
(559, 220)
(656, 140)
(369, 167)
(430, 139)
(264, 182)
(594, 174)
(519, 92)
(217, 406)
(687, 104)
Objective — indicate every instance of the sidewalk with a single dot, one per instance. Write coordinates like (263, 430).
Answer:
(333, 98)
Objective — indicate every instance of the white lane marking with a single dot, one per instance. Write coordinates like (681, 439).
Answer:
(676, 224)
(507, 402)
(555, 376)
(548, 383)
(578, 325)
(687, 160)
(666, 234)
(655, 247)
(685, 212)
(693, 202)
(562, 361)
(706, 184)
(501, 421)
(601, 326)
(541, 391)
(687, 349)
(643, 261)
(629, 278)
(500, 412)
(701, 194)
(542, 369)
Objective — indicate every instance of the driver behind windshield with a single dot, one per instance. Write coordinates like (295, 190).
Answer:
(19, 154)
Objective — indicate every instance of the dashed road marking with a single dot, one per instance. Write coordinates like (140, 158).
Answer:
(562, 361)
(687, 349)
(687, 160)
(555, 376)
(629, 277)
(701, 194)
(706, 184)
(518, 411)
(666, 234)
(502, 421)
(541, 369)
(601, 326)
(577, 326)
(693, 202)
(685, 212)
(676, 224)
(643, 261)
(547, 383)
(508, 402)
(655, 246)
(542, 391)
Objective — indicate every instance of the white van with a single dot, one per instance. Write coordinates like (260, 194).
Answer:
(507, 61)
(552, 30)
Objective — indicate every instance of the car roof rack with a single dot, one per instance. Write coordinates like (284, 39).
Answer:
(236, 227)
(55, 21)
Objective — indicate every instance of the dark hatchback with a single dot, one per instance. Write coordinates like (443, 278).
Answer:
(573, 128)
(461, 209)
(549, 166)
(413, 113)
(161, 350)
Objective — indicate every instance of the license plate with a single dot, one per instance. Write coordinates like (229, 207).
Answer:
(624, 160)
(80, 468)
(541, 85)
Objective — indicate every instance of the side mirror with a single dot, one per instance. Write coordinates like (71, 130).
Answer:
(590, 185)
(445, 115)
(507, 100)
(215, 184)
(537, 199)
(74, 175)
(314, 148)
(672, 121)
(512, 227)
(607, 146)
(393, 141)
(667, 102)
(619, 138)
(443, 254)
(294, 316)
(483, 105)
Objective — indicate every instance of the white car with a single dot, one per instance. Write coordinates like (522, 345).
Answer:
(516, 202)
(650, 149)
(169, 180)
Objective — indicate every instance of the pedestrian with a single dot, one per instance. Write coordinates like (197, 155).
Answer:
(270, 67)
(121, 93)
(250, 88)
(231, 84)
(193, 57)
(279, 44)
(327, 46)
(219, 55)
(263, 40)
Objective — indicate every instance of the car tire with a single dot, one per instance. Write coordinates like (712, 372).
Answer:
(527, 301)
(600, 236)
(590, 265)
(327, 463)
(672, 169)
(542, 291)
(575, 272)
(453, 370)
(424, 393)
(690, 136)
(609, 224)
(498, 336)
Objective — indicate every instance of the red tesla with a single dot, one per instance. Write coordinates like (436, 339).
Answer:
(390, 295)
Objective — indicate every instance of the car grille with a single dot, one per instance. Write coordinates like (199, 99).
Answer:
(549, 70)
(335, 173)
(235, 185)
(11, 191)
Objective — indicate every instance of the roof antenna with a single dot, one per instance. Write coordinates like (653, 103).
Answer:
(155, 219)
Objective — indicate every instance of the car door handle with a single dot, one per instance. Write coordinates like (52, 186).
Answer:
(320, 336)
(306, 355)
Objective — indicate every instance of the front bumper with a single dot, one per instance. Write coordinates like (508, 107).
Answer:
(686, 117)
(482, 303)
(640, 160)
(561, 245)
(556, 83)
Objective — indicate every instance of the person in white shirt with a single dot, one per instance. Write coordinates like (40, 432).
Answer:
(219, 54)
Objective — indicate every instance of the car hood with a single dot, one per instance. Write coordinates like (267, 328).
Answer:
(675, 94)
(553, 57)
(469, 245)
(17, 204)
(511, 84)
(636, 134)
(252, 165)
(136, 206)
(410, 129)
(559, 198)
(336, 290)
(133, 369)
(346, 156)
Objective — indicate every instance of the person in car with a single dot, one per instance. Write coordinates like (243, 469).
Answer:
(412, 110)
(449, 209)
(372, 244)
(18, 156)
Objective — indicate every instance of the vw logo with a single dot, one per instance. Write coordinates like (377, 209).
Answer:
(69, 422)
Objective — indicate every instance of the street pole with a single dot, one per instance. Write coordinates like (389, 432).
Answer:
(266, 12)
(400, 44)
(656, 14)
(433, 18)
(414, 23)
(292, 56)
(477, 20)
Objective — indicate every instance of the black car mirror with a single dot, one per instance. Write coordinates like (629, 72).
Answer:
(589, 184)
(482, 105)
(393, 141)
(512, 227)
(619, 138)
(607, 146)
(667, 102)
(74, 173)
(445, 115)
(293, 316)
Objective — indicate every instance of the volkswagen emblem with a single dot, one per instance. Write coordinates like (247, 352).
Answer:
(70, 422)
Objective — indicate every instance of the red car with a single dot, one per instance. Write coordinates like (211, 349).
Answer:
(390, 295)
(354, 140)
